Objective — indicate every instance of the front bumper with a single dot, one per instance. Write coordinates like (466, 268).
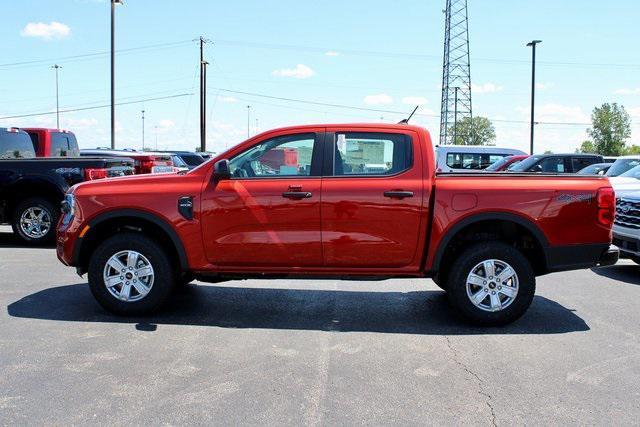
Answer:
(628, 240)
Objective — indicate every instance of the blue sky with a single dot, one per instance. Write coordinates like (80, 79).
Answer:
(370, 54)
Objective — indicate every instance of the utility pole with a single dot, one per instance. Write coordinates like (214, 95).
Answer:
(248, 120)
(156, 129)
(113, 93)
(203, 96)
(57, 67)
(142, 130)
(532, 45)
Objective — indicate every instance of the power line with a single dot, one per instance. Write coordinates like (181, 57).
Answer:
(377, 110)
(70, 110)
(93, 54)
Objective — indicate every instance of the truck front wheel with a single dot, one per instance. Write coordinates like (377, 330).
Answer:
(491, 284)
(130, 274)
(35, 220)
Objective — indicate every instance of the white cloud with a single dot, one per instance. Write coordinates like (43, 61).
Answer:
(53, 30)
(301, 71)
(332, 53)
(634, 112)
(544, 86)
(223, 98)
(557, 113)
(486, 88)
(628, 91)
(379, 99)
(414, 100)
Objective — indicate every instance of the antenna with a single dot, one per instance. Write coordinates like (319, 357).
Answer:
(406, 121)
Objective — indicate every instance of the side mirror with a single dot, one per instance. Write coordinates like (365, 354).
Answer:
(221, 170)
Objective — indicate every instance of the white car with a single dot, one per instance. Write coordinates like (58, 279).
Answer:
(470, 158)
(623, 164)
(628, 182)
(626, 227)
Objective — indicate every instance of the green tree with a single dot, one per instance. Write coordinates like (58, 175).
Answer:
(634, 149)
(611, 127)
(476, 131)
(586, 147)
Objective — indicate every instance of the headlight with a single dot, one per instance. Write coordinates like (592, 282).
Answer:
(68, 208)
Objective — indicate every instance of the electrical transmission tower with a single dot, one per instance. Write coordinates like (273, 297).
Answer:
(456, 71)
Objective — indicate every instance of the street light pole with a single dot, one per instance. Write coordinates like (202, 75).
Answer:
(455, 117)
(532, 45)
(142, 130)
(57, 67)
(248, 120)
(113, 94)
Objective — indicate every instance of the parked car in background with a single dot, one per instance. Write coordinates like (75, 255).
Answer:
(185, 159)
(144, 161)
(506, 162)
(556, 163)
(626, 226)
(628, 182)
(318, 211)
(596, 169)
(53, 142)
(623, 164)
(470, 158)
(31, 188)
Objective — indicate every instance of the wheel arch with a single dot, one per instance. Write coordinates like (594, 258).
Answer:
(147, 223)
(493, 221)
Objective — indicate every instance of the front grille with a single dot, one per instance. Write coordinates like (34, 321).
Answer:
(628, 213)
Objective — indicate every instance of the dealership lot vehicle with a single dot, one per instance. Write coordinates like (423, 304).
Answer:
(53, 142)
(31, 189)
(255, 212)
(186, 159)
(623, 164)
(470, 158)
(322, 352)
(595, 169)
(628, 182)
(144, 161)
(626, 227)
(505, 163)
(556, 163)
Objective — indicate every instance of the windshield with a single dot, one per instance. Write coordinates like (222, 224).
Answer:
(632, 173)
(499, 164)
(526, 164)
(621, 166)
(192, 159)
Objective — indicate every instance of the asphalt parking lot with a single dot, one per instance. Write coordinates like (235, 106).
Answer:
(314, 353)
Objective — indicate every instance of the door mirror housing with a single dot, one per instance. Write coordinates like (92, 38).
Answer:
(221, 170)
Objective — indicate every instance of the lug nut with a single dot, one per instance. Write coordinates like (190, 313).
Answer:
(499, 288)
(121, 277)
(493, 292)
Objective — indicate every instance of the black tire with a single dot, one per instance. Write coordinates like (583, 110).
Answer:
(463, 266)
(164, 274)
(185, 278)
(41, 204)
(636, 259)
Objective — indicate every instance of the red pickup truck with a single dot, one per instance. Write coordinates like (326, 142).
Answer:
(53, 142)
(482, 238)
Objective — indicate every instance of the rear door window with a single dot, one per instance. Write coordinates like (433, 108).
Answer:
(371, 153)
(550, 165)
(579, 163)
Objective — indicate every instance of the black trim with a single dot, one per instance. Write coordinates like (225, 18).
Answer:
(575, 257)
(166, 227)
(488, 216)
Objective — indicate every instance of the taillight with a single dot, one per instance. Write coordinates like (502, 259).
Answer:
(606, 199)
(91, 174)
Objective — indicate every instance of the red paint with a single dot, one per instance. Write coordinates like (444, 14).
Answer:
(347, 227)
(43, 141)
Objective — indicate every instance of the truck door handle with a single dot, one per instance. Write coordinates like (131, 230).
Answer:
(296, 195)
(398, 194)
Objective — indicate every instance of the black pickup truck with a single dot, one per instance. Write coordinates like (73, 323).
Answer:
(31, 188)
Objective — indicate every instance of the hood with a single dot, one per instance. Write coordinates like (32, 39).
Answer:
(623, 185)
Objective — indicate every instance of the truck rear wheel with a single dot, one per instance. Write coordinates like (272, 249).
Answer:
(35, 220)
(130, 274)
(491, 284)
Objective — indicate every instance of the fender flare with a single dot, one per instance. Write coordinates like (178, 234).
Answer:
(488, 216)
(135, 213)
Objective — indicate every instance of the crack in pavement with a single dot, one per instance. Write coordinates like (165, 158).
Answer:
(481, 387)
